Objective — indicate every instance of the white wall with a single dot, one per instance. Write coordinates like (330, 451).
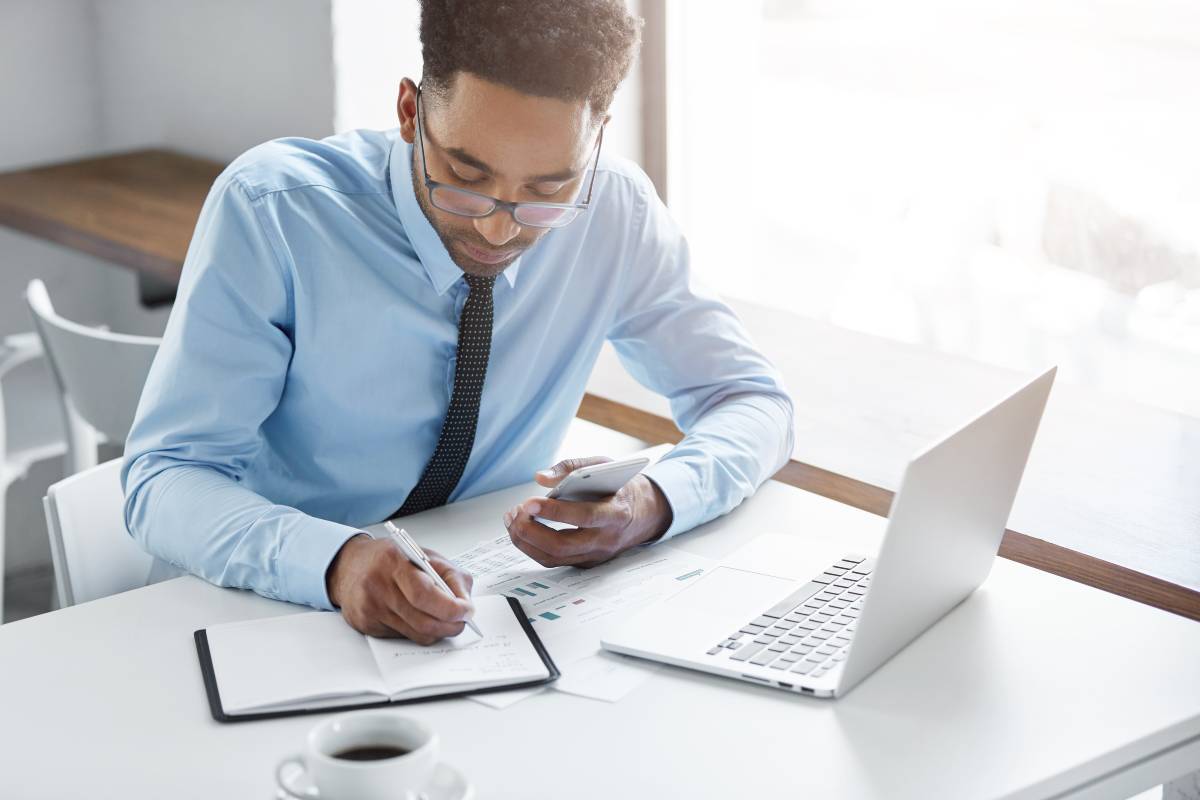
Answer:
(46, 51)
(213, 78)
(375, 44)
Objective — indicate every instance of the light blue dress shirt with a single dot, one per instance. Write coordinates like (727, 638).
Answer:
(309, 360)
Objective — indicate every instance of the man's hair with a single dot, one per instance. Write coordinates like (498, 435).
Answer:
(566, 49)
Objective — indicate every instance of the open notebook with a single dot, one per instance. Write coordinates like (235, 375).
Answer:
(310, 662)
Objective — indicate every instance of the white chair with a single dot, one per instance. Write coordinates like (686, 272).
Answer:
(100, 375)
(94, 556)
(37, 444)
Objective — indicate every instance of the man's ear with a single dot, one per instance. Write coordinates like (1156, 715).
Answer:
(406, 110)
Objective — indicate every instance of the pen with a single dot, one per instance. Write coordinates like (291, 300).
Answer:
(413, 552)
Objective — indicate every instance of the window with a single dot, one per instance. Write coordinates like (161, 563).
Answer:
(1016, 181)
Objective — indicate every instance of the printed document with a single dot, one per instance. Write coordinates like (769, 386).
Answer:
(570, 607)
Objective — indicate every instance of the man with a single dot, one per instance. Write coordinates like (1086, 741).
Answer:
(381, 322)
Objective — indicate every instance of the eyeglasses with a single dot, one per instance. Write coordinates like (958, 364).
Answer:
(466, 203)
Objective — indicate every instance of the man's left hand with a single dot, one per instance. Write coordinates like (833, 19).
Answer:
(636, 514)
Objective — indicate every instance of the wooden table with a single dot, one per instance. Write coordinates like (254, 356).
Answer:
(136, 209)
(1111, 498)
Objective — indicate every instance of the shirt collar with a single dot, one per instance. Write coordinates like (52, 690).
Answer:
(443, 272)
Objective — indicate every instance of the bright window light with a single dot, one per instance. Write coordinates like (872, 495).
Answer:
(1016, 181)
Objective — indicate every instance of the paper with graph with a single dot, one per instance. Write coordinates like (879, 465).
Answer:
(570, 607)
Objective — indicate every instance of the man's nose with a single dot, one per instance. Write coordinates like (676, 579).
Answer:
(499, 229)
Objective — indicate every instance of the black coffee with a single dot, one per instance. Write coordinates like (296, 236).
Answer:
(371, 753)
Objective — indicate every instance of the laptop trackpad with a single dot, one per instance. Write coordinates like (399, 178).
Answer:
(687, 624)
(731, 592)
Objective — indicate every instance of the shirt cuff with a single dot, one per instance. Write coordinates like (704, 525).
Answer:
(305, 558)
(678, 484)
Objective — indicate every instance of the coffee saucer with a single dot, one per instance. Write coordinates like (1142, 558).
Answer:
(447, 783)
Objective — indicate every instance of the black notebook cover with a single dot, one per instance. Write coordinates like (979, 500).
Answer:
(218, 711)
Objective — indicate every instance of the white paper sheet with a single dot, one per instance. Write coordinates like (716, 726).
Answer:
(605, 676)
(505, 699)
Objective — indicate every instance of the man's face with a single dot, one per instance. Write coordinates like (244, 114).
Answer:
(496, 141)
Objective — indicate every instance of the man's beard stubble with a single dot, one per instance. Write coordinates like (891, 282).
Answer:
(468, 265)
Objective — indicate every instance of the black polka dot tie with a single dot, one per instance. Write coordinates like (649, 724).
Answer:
(454, 444)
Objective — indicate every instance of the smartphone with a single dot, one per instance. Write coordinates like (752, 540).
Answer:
(599, 480)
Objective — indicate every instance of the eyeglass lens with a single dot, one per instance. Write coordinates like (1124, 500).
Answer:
(469, 204)
(544, 217)
(465, 203)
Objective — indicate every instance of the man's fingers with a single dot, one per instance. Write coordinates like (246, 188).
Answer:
(583, 546)
(580, 513)
(423, 628)
(392, 625)
(459, 581)
(560, 544)
(392, 597)
(422, 593)
(553, 475)
(549, 560)
(395, 613)
(378, 620)
(371, 627)
(540, 556)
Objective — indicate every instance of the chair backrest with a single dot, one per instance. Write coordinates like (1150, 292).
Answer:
(100, 373)
(94, 556)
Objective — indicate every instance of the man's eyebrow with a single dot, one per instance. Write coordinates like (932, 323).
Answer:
(481, 165)
(470, 160)
(554, 177)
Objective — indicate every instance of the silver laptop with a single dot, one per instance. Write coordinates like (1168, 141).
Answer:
(823, 637)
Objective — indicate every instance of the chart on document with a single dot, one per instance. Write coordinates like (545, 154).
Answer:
(565, 604)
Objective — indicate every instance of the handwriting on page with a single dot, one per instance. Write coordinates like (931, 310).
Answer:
(503, 652)
(490, 657)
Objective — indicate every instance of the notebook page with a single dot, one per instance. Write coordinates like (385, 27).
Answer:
(284, 661)
(503, 655)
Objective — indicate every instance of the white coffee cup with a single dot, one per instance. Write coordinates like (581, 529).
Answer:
(325, 776)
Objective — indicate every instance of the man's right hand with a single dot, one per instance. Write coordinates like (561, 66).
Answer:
(382, 593)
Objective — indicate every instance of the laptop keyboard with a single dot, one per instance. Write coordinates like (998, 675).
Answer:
(809, 631)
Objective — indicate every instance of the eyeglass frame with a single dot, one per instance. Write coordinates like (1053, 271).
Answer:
(497, 203)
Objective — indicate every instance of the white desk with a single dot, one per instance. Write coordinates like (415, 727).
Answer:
(1035, 687)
